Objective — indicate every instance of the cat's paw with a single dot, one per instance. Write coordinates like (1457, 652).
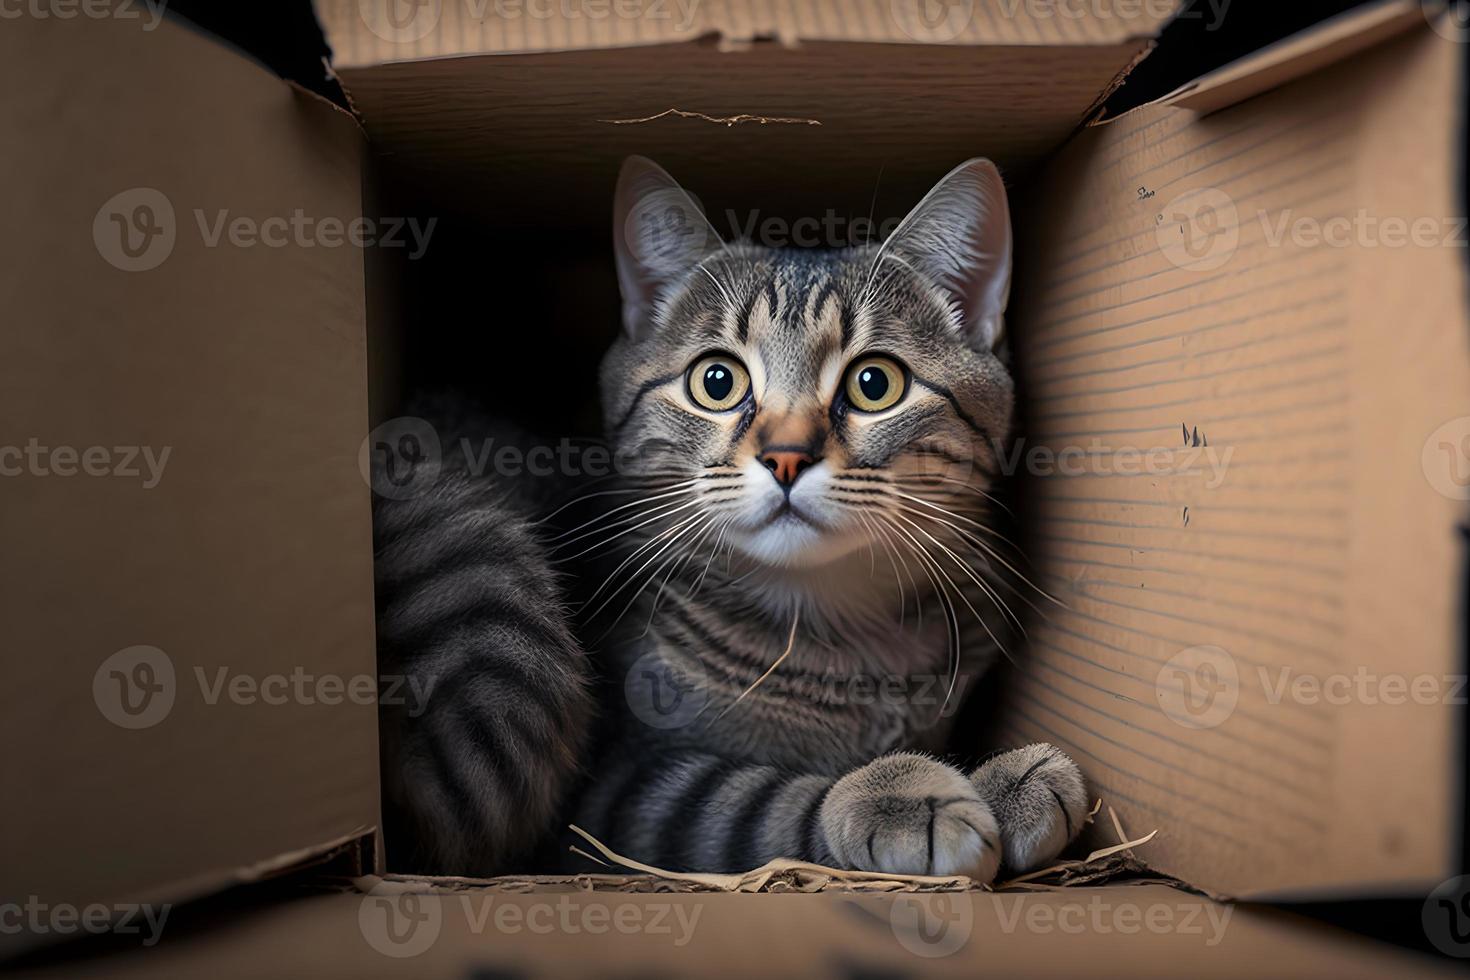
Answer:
(910, 814)
(1038, 798)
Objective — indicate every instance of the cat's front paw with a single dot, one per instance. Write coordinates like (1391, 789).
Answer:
(1038, 798)
(910, 814)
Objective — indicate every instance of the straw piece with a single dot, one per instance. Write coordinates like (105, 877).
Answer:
(757, 878)
(1118, 826)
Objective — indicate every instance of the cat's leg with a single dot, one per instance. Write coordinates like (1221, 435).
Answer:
(489, 724)
(1039, 799)
(905, 813)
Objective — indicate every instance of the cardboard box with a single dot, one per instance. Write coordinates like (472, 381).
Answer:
(1211, 309)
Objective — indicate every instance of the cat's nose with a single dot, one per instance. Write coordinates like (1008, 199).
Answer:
(786, 464)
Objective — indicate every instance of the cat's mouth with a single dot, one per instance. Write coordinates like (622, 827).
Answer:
(788, 513)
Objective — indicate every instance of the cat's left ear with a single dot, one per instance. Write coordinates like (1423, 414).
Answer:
(660, 235)
(960, 237)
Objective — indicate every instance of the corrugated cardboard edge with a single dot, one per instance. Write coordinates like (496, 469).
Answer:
(1291, 58)
(359, 847)
(448, 30)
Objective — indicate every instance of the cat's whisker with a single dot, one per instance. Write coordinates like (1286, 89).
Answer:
(964, 566)
(678, 490)
(677, 532)
(688, 551)
(930, 566)
(976, 542)
(601, 493)
(665, 510)
(645, 546)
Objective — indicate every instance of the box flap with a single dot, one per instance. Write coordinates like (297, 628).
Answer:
(493, 128)
(183, 389)
(1248, 331)
(1146, 931)
(368, 32)
(1291, 58)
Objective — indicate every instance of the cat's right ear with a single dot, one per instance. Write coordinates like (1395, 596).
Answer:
(660, 234)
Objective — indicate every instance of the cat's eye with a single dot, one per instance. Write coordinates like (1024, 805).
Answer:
(875, 383)
(718, 382)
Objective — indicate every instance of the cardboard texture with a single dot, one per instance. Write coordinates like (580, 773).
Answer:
(372, 32)
(1299, 519)
(1291, 384)
(247, 547)
(573, 116)
(1148, 931)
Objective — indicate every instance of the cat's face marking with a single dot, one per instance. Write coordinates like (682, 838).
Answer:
(807, 397)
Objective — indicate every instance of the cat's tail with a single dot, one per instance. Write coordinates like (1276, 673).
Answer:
(483, 743)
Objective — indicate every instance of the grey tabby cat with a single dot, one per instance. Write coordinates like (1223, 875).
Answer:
(771, 686)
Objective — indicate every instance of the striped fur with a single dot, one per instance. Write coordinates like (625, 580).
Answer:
(784, 601)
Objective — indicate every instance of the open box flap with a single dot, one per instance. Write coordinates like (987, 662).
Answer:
(1262, 379)
(1293, 57)
(190, 409)
(495, 129)
(368, 32)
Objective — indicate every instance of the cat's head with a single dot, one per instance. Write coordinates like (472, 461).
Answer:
(809, 403)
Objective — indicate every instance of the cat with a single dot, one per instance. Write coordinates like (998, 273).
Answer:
(785, 417)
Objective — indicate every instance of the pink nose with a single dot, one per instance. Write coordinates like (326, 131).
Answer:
(786, 465)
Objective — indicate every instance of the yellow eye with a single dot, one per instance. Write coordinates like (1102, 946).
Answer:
(718, 382)
(876, 383)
